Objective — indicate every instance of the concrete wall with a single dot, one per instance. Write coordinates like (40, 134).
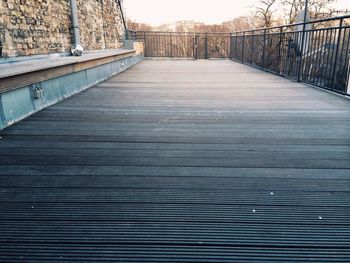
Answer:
(35, 27)
(135, 45)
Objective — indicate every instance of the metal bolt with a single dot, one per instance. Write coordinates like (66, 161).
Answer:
(320, 217)
(254, 211)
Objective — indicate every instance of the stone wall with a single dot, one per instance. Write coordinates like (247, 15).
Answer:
(33, 27)
(138, 47)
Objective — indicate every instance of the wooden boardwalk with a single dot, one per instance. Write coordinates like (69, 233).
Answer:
(180, 161)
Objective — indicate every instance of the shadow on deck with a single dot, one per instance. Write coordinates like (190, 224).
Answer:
(180, 161)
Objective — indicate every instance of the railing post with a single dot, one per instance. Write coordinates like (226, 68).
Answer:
(302, 41)
(235, 49)
(252, 47)
(263, 54)
(337, 54)
(229, 44)
(243, 40)
(280, 50)
(195, 46)
(144, 44)
(300, 64)
(206, 46)
(171, 45)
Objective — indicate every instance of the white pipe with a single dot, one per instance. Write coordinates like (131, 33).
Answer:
(77, 49)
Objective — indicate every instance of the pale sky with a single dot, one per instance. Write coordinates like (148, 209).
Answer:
(156, 12)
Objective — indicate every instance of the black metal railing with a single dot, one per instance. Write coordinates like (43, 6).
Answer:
(184, 44)
(130, 34)
(316, 52)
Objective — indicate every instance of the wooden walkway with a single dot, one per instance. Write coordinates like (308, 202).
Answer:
(180, 161)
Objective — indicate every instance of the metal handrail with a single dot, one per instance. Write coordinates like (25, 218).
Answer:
(295, 24)
(318, 56)
(182, 32)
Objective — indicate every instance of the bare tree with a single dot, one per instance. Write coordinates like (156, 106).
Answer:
(265, 10)
(317, 8)
(133, 25)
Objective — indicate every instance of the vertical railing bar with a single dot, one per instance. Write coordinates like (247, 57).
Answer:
(252, 47)
(318, 55)
(287, 63)
(229, 46)
(243, 44)
(301, 52)
(312, 48)
(325, 56)
(145, 47)
(194, 46)
(236, 49)
(280, 49)
(171, 45)
(329, 74)
(294, 69)
(337, 52)
(158, 46)
(165, 45)
(315, 54)
(347, 63)
(206, 46)
(310, 55)
(264, 47)
(328, 52)
(152, 44)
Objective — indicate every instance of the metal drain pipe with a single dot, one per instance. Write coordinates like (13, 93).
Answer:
(120, 4)
(77, 49)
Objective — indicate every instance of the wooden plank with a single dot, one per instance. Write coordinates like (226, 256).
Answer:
(180, 161)
(35, 72)
(43, 63)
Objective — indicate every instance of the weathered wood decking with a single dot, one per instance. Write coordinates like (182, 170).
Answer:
(180, 161)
